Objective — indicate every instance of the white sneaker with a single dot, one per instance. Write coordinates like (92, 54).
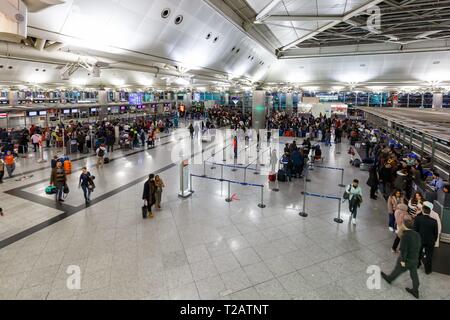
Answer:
(354, 222)
(391, 229)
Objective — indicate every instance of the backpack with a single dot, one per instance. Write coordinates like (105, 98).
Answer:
(101, 153)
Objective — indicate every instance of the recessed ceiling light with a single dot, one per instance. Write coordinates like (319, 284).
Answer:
(362, 65)
(436, 62)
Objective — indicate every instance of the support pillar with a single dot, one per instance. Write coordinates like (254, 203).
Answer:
(103, 104)
(259, 110)
(438, 99)
(289, 103)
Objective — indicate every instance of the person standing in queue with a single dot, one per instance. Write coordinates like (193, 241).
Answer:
(58, 179)
(159, 183)
(427, 227)
(408, 260)
(149, 195)
(87, 184)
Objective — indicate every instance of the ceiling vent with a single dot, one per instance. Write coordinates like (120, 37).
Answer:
(179, 19)
(165, 13)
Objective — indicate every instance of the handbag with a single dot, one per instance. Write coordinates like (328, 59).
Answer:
(144, 212)
(66, 189)
(51, 190)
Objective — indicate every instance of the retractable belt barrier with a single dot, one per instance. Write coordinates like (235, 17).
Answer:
(316, 195)
(342, 185)
(229, 198)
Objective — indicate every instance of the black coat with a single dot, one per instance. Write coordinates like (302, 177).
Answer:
(149, 192)
(373, 178)
(427, 227)
(410, 248)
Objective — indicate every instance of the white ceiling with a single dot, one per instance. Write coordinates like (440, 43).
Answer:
(137, 26)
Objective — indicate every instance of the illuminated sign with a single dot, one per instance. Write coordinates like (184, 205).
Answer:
(66, 111)
(3, 115)
(42, 113)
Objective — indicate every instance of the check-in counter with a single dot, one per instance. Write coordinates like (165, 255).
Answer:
(444, 212)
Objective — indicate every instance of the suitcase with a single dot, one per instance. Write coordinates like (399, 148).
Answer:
(282, 176)
(357, 163)
(74, 148)
(144, 212)
(68, 166)
(106, 160)
(272, 177)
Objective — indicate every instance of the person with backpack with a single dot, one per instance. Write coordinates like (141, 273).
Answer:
(101, 155)
(354, 195)
(149, 194)
(87, 184)
(58, 179)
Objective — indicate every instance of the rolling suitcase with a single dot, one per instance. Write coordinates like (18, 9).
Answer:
(282, 176)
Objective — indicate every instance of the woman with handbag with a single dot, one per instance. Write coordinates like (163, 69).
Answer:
(159, 189)
(354, 196)
(87, 184)
(149, 194)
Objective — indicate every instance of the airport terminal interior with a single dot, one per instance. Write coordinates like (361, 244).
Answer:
(224, 150)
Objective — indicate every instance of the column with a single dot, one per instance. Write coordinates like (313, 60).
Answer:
(270, 103)
(259, 110)
(12, 97)
(289, 103)
(227, 99)
(438, 99)
(103, 104)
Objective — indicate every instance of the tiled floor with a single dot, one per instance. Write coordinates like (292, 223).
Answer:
(204, 247)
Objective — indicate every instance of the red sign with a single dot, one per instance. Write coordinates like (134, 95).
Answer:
(3, 115)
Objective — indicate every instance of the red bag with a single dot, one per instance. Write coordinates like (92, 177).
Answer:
(272, 177)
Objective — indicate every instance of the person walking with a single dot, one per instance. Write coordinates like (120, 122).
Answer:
(87, 184)
(355, 199)
(409, 257)
(159, 189)
(10, 163)
(58, 179)
(149, 194)
(101, 154)
(427, 227)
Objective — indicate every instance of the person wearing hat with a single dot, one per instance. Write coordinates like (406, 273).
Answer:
(409, 257)
(428, 229)
(149, 195)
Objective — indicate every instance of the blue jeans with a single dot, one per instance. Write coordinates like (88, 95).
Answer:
(353, 207)
(86, 192)
(59, 192)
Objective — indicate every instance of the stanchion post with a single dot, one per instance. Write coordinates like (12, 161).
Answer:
(262, 205)
(190, 184)
(245, 175)
(221, 173)
(204, 168)
(303, 213)
(229, 193)
(342, 185)
(339, 219)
